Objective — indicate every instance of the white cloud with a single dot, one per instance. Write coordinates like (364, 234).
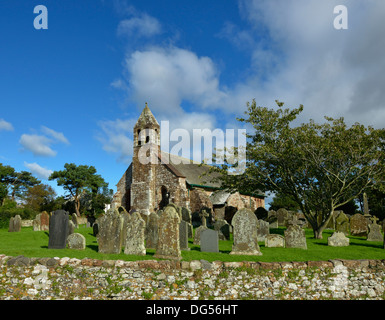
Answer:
(38, 145)
(59, 136)
(40, 172)
(165, 77)
(6, 126)
(116, 137)
(332, 72)
(143, 25)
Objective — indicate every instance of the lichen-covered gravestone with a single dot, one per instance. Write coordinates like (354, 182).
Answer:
(358, 225)
(374, 231)
(168, 246)
(245, 225)
(295, 237)
(152, 231)
(342, 223)
(197, 237)
(110, 232)
(183, 235)
(76, 241)
(338, 239)
(15, 224)
(274, 241)
(58, 230)
(135, 235)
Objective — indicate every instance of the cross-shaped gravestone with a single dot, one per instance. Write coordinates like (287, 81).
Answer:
(203, 214)
(374, 219)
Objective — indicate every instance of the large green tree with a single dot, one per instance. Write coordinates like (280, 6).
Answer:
(320, 166)
(78, 180)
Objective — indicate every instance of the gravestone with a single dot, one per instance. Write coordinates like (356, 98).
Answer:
(135, 235)
(44, 221)
(358, 225)
(168, 246)
(273, 222)
(342, 223)
(110, 232)
(223, 229)
(186, 214)
(282, 216)
(15, 224)
(152, 231)
(374, 231)
(71, 227)
(76, 241)
(338, 239)
(197, 237)
(36, 223)
(126, 218)
(95, 228)
(183, 235)
(295, 237)
(75, 220)
(209, 241)
(263, 230)
(245, 225)
(58, 230)
(274, 241)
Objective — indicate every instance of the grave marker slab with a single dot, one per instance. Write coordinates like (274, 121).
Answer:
(76, 241)
(168, 246)
(183, 235)
(152, 231)
(245, 225)
(209, 241)
(358, 225)
(338, 239)
(275, 241)
(58, 230)
(295, 237)
(135, 235)
(110, 232)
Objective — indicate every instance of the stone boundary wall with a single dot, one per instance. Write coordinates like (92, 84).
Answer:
(90, 279)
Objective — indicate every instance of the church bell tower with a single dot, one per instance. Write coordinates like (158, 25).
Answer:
(144, 162)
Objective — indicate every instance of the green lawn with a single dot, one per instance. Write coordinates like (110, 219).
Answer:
(35, 244)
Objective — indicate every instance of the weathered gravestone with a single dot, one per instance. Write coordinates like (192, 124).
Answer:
(358, 225)
(135, 235)
(15, 224)
(338, 239)
(152, 231)
(263, 230)
(282, 216)
(274, 241)
(209, 241)
(183, 235)
(110, 232)
(245, 225)
(126, 218)
(58, 230)
(295, 236)
(374, 231)
(75, 220)
(197, 237)
(76, 241)
(342, 223)
(71, 227)
(41, 222)
(168, 246)
(223, 229)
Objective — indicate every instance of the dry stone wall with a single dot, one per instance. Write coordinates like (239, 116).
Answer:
(65, 278)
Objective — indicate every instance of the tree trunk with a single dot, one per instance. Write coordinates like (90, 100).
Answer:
(77, 207)
(318, 233)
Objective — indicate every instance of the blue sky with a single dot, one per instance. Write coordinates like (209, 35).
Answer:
(73, 92)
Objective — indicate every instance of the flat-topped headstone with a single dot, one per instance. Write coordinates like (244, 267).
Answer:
(44, 221)
(209, 241)
(295, 237)
(58, 230)
(110, 232)
(338, 239)
(274, 241)
(134, 243)
(358, 225)
(76, 241)
(282, 216)
(245, 225)
(168, 246)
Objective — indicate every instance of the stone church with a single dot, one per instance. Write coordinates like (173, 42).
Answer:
(148, 187)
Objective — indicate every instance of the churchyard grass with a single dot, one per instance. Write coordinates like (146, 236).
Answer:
(35, 244)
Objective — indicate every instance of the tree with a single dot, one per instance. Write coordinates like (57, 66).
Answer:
(77, 180)
(40, 197)
(284, 201)
(320, 166)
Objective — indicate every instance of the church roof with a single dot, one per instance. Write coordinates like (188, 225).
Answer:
(146, 119)
(191, 170)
